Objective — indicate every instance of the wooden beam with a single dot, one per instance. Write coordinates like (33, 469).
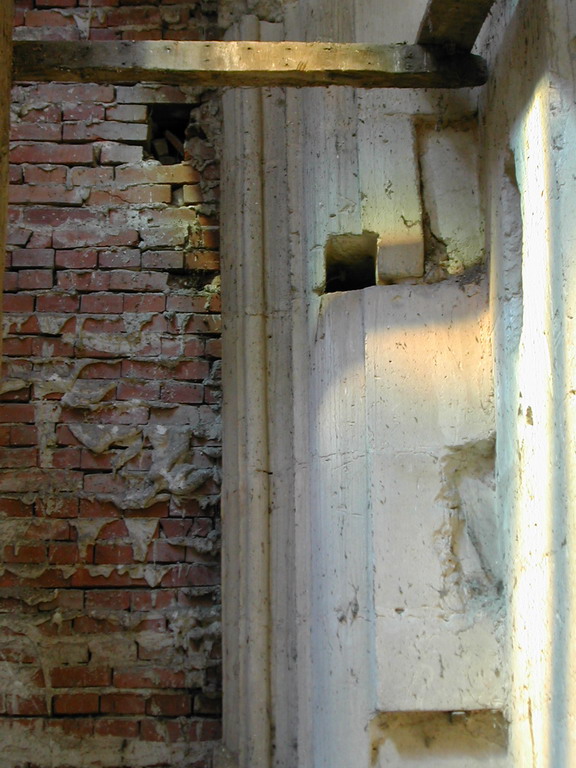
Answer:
(453, 23)
(246, 64)
(6, 17)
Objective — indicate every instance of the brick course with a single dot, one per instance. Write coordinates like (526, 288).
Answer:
(109, 413)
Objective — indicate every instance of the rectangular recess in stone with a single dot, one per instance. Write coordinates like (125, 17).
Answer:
(350, 261)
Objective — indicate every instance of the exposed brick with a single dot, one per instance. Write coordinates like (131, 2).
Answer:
(115, 154)
(98, 214)
(102, 303)
(127, 113)
(154, 173)
(47, 19)
(75, 704)
(107, 131)
(127, 729)
(48, 174)
(169, 705)
(32, 257)
(52, 153)
(180, 392)
(123, 704)
(85, 258)
(83, 111)
(57, 303)
(35, 132)
(80, 677)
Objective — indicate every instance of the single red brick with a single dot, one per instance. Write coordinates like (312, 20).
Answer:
(83, 281)
(123, 704)
(78, 727)
(87, 92)
(146, 302)
(190, 370)
(103, 325)
(85, 258)
(48, 174)
(55, 194)
(57, 303)
(148, 677)
(148, 390)
(152, 172)
(152, 730)
(141, 34)
(18, 457)
(84, 578)
(202, 259)
(127, 729)
(169, 705)
(102, 303)
(210, 730)
(4, 438)
(80, 677)
(17, 347)
(75, 704)
(47, 19)
(128, 113)
(135, 17)
(83, 111)
(160, 509)
(214, 348)
(87, 625)
(133, 195)
(108, 599)
(164, 552)
(91, 460)
(97, 235)
(56, 3)
(118, 554)
(101, 371)
(114, 154)
(104, 131)
(105, 34)
(45, 152)
(22, 434)
(203, 324)
(15, 174)
(66, 553)
(59, 506)
(35, 131)
(84, 176)
(49, 346)
(26, 707)
(179, 392)
(150, 600)
(90, 508)
(33, 257)
(189, 575)
(48, 113)
(35, 279)
(31, 553)
(17, 413)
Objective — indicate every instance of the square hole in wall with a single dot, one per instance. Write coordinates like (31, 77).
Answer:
(167, 132)
(350, 261)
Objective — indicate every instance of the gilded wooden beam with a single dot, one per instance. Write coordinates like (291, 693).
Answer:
(453, 23)
(246, 64)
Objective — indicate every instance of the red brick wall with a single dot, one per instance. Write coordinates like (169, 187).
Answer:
(109, 414)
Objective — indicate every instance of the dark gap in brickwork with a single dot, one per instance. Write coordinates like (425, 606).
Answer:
(167, 125)
(350, 261)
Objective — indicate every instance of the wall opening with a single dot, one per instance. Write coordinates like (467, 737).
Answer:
(350, 261)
